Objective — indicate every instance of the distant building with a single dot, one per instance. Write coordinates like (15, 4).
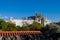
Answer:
(38, 18)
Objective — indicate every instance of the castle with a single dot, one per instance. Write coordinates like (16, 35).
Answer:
(37, 18)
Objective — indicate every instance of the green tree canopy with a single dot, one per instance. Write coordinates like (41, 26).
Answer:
(54, 27)
(11, 26)
(36, 26)
(3, 24)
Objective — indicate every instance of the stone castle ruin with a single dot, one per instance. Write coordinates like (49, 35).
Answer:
(37, 18)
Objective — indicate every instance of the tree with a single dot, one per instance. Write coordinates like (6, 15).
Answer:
(26, 28)
(36, 26)
(50, 31)
(55, 27)
(58, 23)
(19, 28)
(3, 24)
(11, 26)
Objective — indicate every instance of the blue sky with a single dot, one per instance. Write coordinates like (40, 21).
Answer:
(24, 8)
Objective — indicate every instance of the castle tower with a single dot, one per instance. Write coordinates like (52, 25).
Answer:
(39, 18)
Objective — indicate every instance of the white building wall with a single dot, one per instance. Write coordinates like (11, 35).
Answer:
(47, 22)
(19, 22)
